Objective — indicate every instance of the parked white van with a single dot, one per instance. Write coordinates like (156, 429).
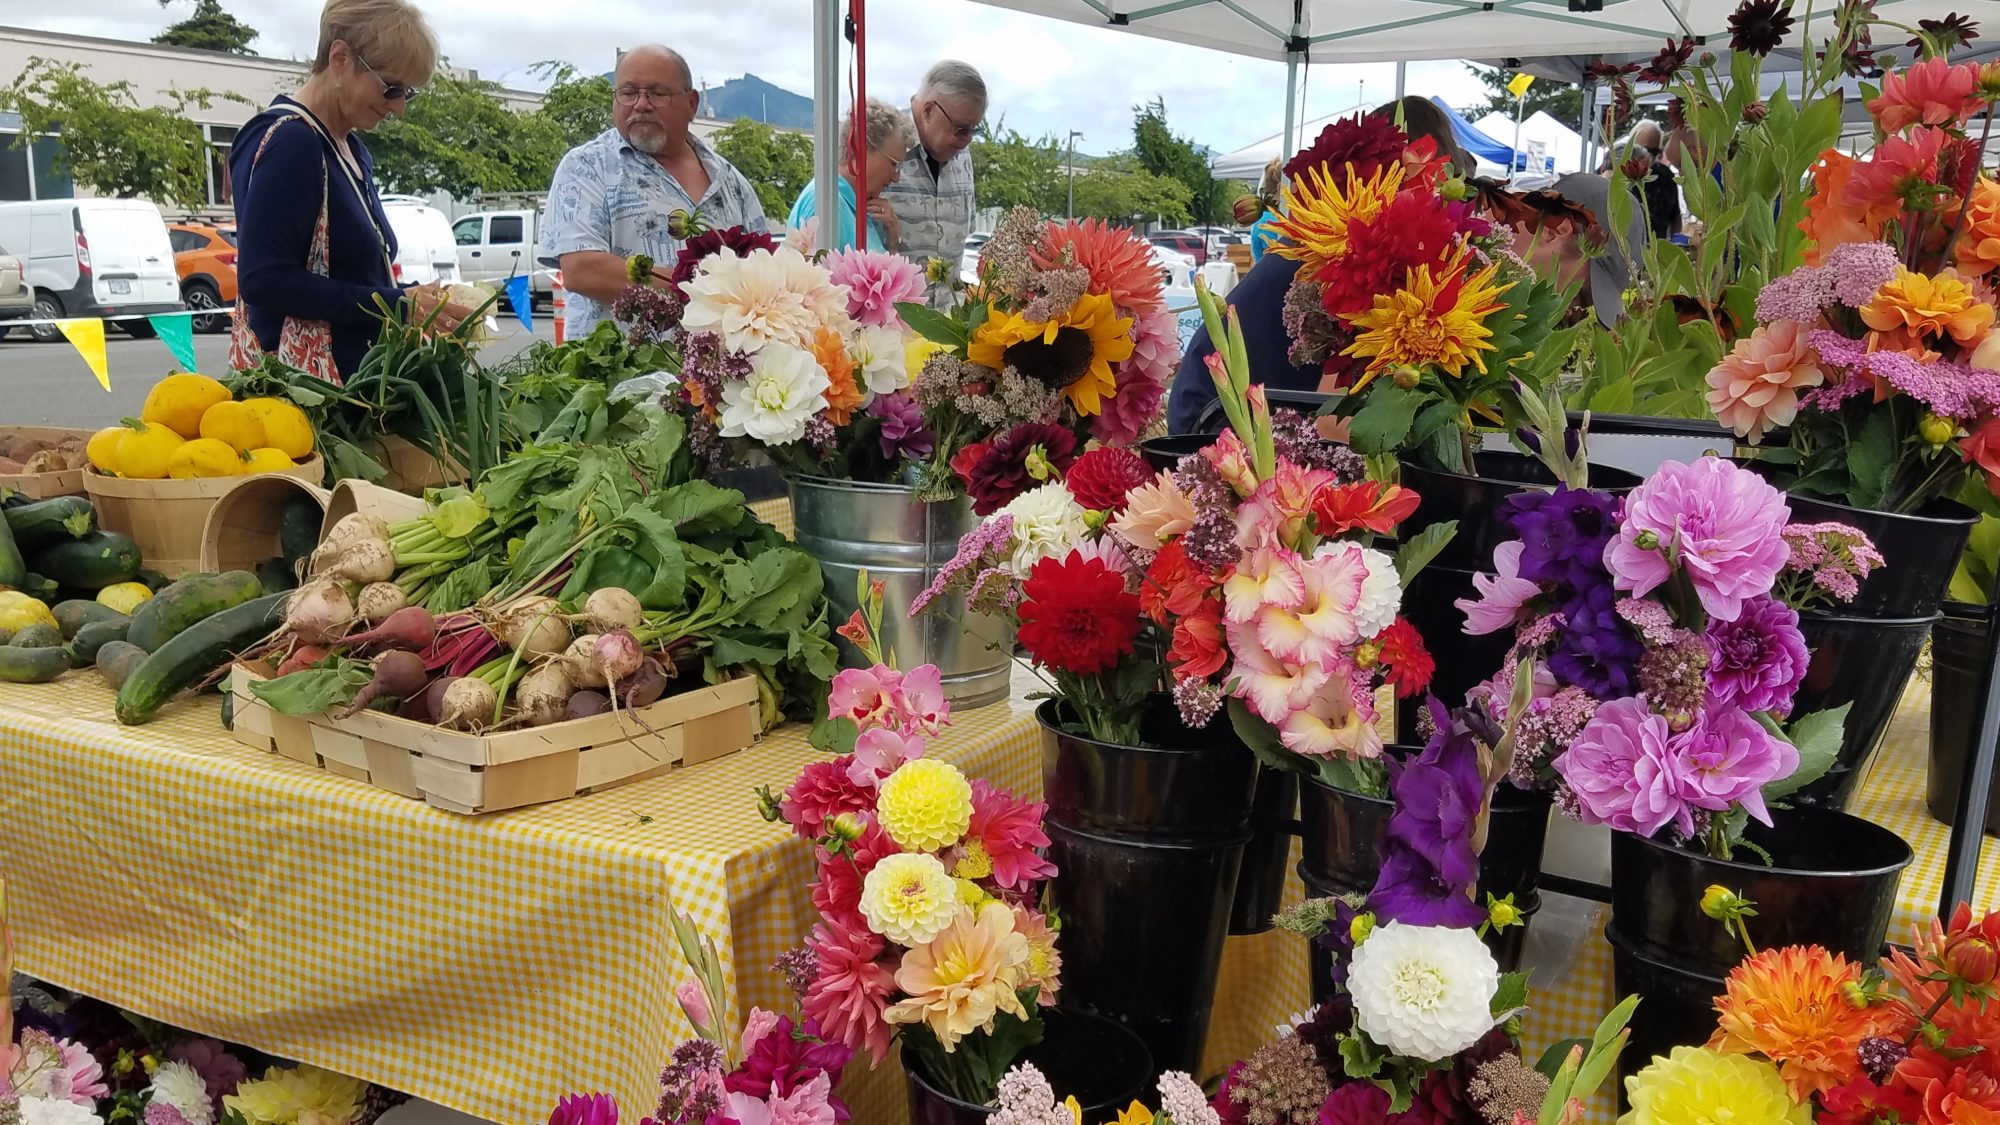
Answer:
(93, 257)
(496, 245)
(425, 251)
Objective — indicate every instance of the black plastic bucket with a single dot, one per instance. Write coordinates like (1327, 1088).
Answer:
(1919, 552)
(1959, 642)
(1147, 842)
(1676, 1006)
(1093, 1059)
(1865, 662)
(1831, 882)
(1164, 453)
(1430, 604)
(1260, 886)
(1474, 501)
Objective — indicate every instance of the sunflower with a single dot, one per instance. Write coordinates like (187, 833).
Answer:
(1438, 318)
(1073, 351)
(1316, 212)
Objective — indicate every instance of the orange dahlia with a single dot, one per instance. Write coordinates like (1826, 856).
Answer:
(1832, 217)
(1913, 308)
(1791, 1006)
(1978, 246)
(842, 395)
(1968, 949)
(1118, 264)
(1316, 209)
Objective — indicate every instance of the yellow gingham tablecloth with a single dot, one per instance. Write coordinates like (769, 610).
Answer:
(489, 964)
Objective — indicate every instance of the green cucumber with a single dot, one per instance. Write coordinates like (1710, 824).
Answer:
(75, 613)
(41, 589)
(13, 568)
(173, 610)
(38, 635)
(116, 662)
(97, 560)
(298, 530)
(31, 665)
(196, 653)
(48, 522)
(83, 647)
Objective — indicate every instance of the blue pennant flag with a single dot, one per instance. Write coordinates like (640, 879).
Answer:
(523, 302)
(177, 333)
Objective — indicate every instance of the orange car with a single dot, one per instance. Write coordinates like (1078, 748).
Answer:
(206, 258)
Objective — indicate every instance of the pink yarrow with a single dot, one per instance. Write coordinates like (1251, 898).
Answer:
(875, 283)
(1720, 523)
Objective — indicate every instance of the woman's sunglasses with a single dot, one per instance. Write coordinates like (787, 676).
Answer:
(394, 91)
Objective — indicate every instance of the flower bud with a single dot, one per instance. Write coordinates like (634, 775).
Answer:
(1637, 167)
(1367, 654)
(1971, 958)
(639, 269)
(680, 224)
(1038, 464)
(1755, 112)
(1502, 913)
(1989, 82)
(694, 1002)
(1706, 58)
(847, 826)
(1247, 210)
(768, 805)
(1455, 189)
(1648, 541)
(1359, 929)
(1723, 904)
(1406, 377)
(1856, 996)
(1937, 430)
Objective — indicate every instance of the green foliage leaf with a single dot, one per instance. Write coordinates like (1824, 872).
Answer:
(1262, 739)
(1360, 1057)
(313, 690)
(1817, 737)
(1557, 1053)
(835, 734)
(932, 325)
(459, 516)
(1383, 422)
(1418, 550)
(1871, 460)
(1512, 995)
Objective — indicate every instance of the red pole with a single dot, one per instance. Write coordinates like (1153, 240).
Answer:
(858, 10)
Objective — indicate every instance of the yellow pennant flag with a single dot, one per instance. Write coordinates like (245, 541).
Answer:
(86, 335)
(1520, 84)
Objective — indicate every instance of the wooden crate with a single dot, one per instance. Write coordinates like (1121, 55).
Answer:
(44, 486)
(480, 773)
(412, 470)
(166, 518)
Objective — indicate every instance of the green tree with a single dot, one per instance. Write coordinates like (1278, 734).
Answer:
(462, 139)
(109, 141)
(778, 163)
(579, 104)
(210, 28)
(1116, 189)
(1560, 100)
(1009, 170)
(1161, 153)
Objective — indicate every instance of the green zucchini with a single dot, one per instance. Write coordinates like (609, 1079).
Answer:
(41, 589)
(97, 560)
(48, 522)
(298, 530)
(188, 601)
(196, 653)
(13, 568)
(75, 613)
(38, 635)
(84, 646)
(276, 574)
(154, 580)
(31, 665)
(116, 662)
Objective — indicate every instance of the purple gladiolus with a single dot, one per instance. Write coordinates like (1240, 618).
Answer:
(1428, 866)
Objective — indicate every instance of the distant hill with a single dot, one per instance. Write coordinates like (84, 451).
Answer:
(752, 97)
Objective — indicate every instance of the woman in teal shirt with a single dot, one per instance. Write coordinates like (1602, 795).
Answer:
(889, 138)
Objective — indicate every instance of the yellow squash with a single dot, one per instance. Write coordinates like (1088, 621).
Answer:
(125, 597)
(267, 460)
(18, 611)
(234, 424)
(179, 400)
(286, 427)
(204, 457)
(145, 450)
(102, 448)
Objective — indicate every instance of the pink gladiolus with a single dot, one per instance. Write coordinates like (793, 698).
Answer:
(760, 1024)
(695, 1003)
(922, 700)
(810, 1104)
(1278, 511)
(1232, 460)
(1721, 523)
(867, 695)
(877, 754)
(1267, 578)
(1501, 594)
(1337, 722)
(1273, 688)
(1325, 620)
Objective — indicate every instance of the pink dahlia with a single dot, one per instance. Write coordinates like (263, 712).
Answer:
(1933, 92)
(875, 283)
(1756, 386)
(1727, 758)
(1009, 831)
(1501, 594)
(852, 992)
(822, 791)
(1720, 524)
(1623, 772)
(1759, 658)
(1142, 380)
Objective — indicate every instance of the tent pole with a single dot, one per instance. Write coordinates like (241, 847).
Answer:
(826, 117)
(1291, 103)
(1519, 101)
(1402, 75)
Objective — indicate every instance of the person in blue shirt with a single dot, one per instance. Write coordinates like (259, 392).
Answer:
(314, 248)
(889, 136)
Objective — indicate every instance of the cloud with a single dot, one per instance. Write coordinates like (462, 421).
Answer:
(1046, 76)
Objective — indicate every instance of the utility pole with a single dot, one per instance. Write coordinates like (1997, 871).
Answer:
(1070, 212)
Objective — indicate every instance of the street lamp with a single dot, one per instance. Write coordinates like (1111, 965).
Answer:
(1070, 212)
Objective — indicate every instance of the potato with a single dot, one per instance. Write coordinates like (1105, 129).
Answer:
(9, 465)
(17, 447)
(46, 461)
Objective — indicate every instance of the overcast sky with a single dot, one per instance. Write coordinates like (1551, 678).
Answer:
(1046, 76)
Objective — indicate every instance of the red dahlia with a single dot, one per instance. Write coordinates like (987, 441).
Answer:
(737, 240)
(1366, 142)
(1076, 616)
(996, 471)
(1101, 477)
(1406, 664)
(1412, 230)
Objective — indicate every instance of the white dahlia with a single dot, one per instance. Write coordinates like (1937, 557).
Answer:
(785, 388)
(1381, 593)
(878, 353)
(1048, 524)
(178, 1085)
(909, 898)
(1423, 991)
(751, 302)
(56, 1111)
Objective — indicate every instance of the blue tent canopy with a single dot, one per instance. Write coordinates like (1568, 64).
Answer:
(1473, 141)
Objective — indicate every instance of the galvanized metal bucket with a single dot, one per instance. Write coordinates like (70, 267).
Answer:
(850, 526)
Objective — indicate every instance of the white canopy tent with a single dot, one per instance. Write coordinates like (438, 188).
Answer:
(1558, 140)
(1247, 163)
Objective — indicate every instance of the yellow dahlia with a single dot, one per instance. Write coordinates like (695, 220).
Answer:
(1314, 211)
(1689, 1086)
(1073, 351)
(1913, 307)
(1435, 320)
(1791, 1006)
(301, 1095)
(909, 898)
(964, 977)
(925, 805)
(1135, 1114)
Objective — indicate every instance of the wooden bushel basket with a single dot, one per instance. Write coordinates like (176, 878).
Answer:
(167, 518)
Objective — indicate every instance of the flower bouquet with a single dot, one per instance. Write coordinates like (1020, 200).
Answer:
(1661, 634)
(927, 884)
(1880, 352)
(1803, 1035)
(1412, 299)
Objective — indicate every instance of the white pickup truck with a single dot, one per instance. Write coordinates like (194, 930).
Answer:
(496, 245)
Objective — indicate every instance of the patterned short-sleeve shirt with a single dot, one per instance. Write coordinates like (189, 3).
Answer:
(609, 196)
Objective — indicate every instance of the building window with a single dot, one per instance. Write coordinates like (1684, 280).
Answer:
(15, 183)
(29, 172)
(221, 192)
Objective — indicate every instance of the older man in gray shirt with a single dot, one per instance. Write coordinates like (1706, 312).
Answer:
(933, 195)
(614, 195)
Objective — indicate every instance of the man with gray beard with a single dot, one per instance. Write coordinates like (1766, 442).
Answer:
(617, 194)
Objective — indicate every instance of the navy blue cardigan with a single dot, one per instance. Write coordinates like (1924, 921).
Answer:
(1260, 301)
(276, 210)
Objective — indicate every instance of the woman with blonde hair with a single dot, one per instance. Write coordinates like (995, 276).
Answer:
(314, 248)
(889, 135)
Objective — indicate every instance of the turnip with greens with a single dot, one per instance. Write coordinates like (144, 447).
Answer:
(397, 674)
(644, 687)
(411, 628)
(378, 600)
(617, 655)
(319, 612)
(580, 659)
(362, 560)
(532, 626)
(612, 608)
(467, 703)
(542, 696)
(351, 527)
(302, 658)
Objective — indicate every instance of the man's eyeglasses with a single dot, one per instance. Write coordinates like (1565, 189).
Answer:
(962, 132)
(394, 91)
(630, 95)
